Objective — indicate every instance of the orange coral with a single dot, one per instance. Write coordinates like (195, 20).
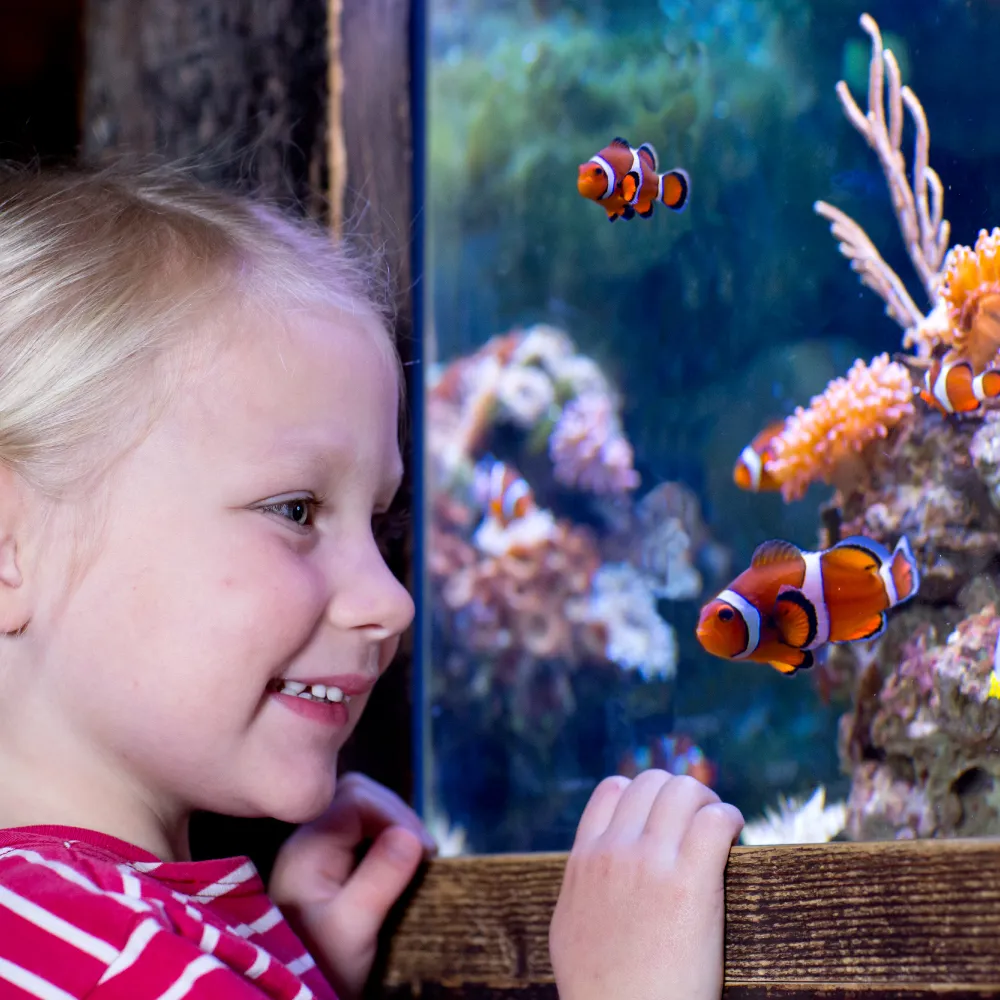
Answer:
(971, 290)
(851, 412)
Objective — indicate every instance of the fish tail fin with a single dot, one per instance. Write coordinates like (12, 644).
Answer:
(674, 189)
(904, 571)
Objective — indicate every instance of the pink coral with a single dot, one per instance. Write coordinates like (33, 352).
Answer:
(589, 450)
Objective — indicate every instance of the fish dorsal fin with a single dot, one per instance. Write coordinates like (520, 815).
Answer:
(650, 151)
(619, 141)
(795, 617)
(775, 551)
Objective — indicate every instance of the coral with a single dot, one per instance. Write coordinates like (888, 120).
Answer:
(971, 290)
(589, 450)
(922, 743)
(669, 536)
(852, 412)
(637, 637)
(798, 821)
(919, 207)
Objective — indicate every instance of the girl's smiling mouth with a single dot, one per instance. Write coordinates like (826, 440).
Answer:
(326, 699)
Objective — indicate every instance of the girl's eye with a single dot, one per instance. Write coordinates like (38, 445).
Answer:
(301, 510)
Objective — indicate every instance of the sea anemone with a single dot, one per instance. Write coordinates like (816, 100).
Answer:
(971, 289)
(848, 415)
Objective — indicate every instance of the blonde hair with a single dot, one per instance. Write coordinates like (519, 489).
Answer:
(103, 273)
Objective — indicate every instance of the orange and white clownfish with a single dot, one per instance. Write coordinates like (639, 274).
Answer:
(750, 471)
(790, 602)
(503, 492)
(950, 387)
(625, 181)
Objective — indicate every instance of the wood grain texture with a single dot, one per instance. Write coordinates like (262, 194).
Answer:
(374, 45)
(236, 87)
(372, 140)
(887, 920)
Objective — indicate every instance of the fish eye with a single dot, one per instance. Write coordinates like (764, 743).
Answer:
(725, 614)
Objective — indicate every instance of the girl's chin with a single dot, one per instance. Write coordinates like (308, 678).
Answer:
(298, 799)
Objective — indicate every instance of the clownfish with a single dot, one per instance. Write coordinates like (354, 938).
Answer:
(626, 182)
(503, 491)
(790, 602)
(750, 471)
(950, 387)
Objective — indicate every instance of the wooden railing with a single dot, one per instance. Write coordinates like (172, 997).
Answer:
(892, 921)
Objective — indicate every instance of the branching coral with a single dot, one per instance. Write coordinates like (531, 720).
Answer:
(853, 411)
(919, 207)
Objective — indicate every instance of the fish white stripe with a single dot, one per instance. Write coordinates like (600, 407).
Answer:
(812, 587)
(754, 465)
(57, 927)
(304, 993)
(751, 618)
(940, 390)
(885, 572)
(609, 172)
(637, 167)
(978, 388)
(27, 981)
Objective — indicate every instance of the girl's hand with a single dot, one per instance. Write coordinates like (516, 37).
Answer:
(640, 913)
(335, 904)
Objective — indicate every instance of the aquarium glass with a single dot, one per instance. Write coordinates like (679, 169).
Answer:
(701, 275)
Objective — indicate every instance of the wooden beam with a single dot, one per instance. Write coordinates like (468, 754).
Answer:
(893, 921)
(235, 87)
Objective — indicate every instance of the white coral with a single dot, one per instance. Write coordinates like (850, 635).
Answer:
(798, 821)
(524, 395)
(638, 638)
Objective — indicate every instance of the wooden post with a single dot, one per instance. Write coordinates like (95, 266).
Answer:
(305, 102)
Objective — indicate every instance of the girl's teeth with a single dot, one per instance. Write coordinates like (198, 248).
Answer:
(315, 692)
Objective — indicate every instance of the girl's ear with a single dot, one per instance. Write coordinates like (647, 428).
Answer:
(14, 610)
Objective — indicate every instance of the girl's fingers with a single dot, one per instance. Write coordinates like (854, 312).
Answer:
(631, 814)
(600, 808)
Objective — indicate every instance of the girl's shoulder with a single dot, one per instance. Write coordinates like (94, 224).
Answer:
(81, 918)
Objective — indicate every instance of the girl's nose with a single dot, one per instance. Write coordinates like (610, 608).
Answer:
(368, 596)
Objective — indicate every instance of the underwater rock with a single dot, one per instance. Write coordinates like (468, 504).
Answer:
(924, 744)
(926, 483)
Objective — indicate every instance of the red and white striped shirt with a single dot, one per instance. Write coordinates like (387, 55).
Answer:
(83, 914)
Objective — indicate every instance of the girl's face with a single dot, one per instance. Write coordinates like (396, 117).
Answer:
(220, 574)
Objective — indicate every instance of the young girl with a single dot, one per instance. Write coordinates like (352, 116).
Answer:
(198, 441)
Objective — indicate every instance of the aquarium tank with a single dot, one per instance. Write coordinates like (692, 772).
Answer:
(711, 413)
